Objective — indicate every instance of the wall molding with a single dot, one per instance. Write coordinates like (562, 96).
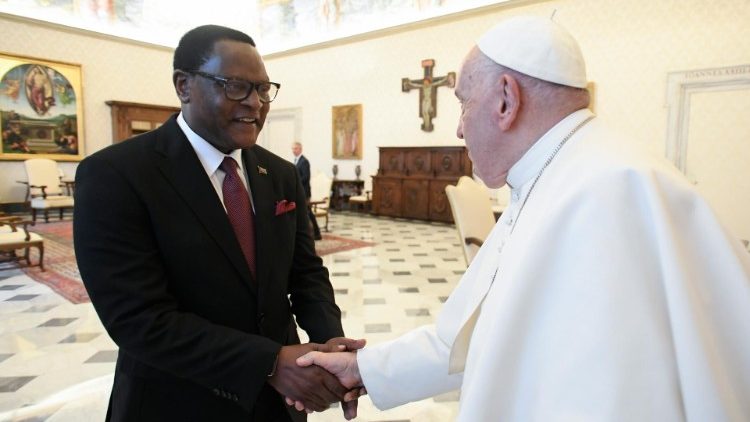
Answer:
(293, 115)
(680, 88)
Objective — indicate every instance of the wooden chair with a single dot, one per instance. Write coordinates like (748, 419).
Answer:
(19, 237)
(364, 200)
(45, 189)
(472, 212)
(320, 195)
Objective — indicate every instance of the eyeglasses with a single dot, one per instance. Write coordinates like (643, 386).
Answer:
(239, 89)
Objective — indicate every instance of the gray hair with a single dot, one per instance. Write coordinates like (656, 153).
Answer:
(538, 91)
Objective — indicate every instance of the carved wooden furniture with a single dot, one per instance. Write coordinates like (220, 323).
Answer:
(411, 181)
(14, 235)
(130, 119)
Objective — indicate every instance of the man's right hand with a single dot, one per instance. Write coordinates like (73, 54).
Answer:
(311, 385)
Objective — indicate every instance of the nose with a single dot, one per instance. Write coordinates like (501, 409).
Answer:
(460, 130)
(253, 100)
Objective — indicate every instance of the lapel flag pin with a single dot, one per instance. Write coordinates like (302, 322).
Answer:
(262, 170)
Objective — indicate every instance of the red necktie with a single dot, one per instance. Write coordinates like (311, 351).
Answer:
(239, 211)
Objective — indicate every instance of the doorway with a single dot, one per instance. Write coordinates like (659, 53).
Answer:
(281, 129)
(709, 138)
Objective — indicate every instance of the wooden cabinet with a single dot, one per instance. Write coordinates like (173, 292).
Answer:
(130, 119)
(386, 198)
(415, 198)
(411, 181)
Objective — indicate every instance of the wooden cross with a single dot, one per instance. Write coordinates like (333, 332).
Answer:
(428, 86)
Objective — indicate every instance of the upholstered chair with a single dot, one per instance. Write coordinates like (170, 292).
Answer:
(14, 236)
(320, 195)
(472, 213)
(45, 190)
(364, 200)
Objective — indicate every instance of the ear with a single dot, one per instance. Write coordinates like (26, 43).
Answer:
(510, 101)
(181, 81)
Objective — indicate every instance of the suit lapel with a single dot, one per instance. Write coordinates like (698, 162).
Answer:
(182, 168)
(261, 185)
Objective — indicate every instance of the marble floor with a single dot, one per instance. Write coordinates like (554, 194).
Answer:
(56, 360)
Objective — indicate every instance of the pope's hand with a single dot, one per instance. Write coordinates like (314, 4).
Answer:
(312, 386)
(341, 364)
(349, 403)
(344, 366)
(349, 400)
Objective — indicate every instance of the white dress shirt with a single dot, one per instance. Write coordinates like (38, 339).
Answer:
(211, 159)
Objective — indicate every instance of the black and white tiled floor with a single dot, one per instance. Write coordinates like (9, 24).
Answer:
(56, 360)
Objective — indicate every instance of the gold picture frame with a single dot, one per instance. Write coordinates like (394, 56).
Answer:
(347, 131)
(41, 109)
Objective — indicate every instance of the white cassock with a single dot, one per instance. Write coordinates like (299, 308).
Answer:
(618, 297)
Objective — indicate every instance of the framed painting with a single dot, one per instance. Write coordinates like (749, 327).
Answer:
(41, 109)
(347, 131)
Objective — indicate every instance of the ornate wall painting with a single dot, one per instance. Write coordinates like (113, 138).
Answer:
(347, 131)
(41, 109)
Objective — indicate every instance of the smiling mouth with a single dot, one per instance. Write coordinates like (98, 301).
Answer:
(247, 120)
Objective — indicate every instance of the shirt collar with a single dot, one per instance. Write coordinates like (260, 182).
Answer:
(533, 160)
(209, 156)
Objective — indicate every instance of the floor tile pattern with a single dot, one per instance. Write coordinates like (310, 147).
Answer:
(56, 360)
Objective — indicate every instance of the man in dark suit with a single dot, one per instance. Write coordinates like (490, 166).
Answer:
(303, 168)
(193, 244)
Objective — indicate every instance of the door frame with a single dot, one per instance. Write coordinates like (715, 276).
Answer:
(276, 115)
(680, 88)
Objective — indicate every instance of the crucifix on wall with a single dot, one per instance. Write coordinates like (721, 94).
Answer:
(428, 86)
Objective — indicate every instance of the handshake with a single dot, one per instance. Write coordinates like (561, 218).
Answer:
(312, 376)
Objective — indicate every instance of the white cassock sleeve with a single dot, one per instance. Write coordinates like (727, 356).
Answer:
(409, 368)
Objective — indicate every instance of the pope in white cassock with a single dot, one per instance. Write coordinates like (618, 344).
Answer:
(607, 291)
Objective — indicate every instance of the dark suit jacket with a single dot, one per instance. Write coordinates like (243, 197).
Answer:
(303, 167)
(197, 334)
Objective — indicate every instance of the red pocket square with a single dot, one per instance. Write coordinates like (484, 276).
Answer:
(285, 206)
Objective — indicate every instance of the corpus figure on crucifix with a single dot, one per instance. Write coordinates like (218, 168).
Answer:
(428, 91)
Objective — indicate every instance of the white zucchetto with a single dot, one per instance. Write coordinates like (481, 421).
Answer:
(537, 47)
